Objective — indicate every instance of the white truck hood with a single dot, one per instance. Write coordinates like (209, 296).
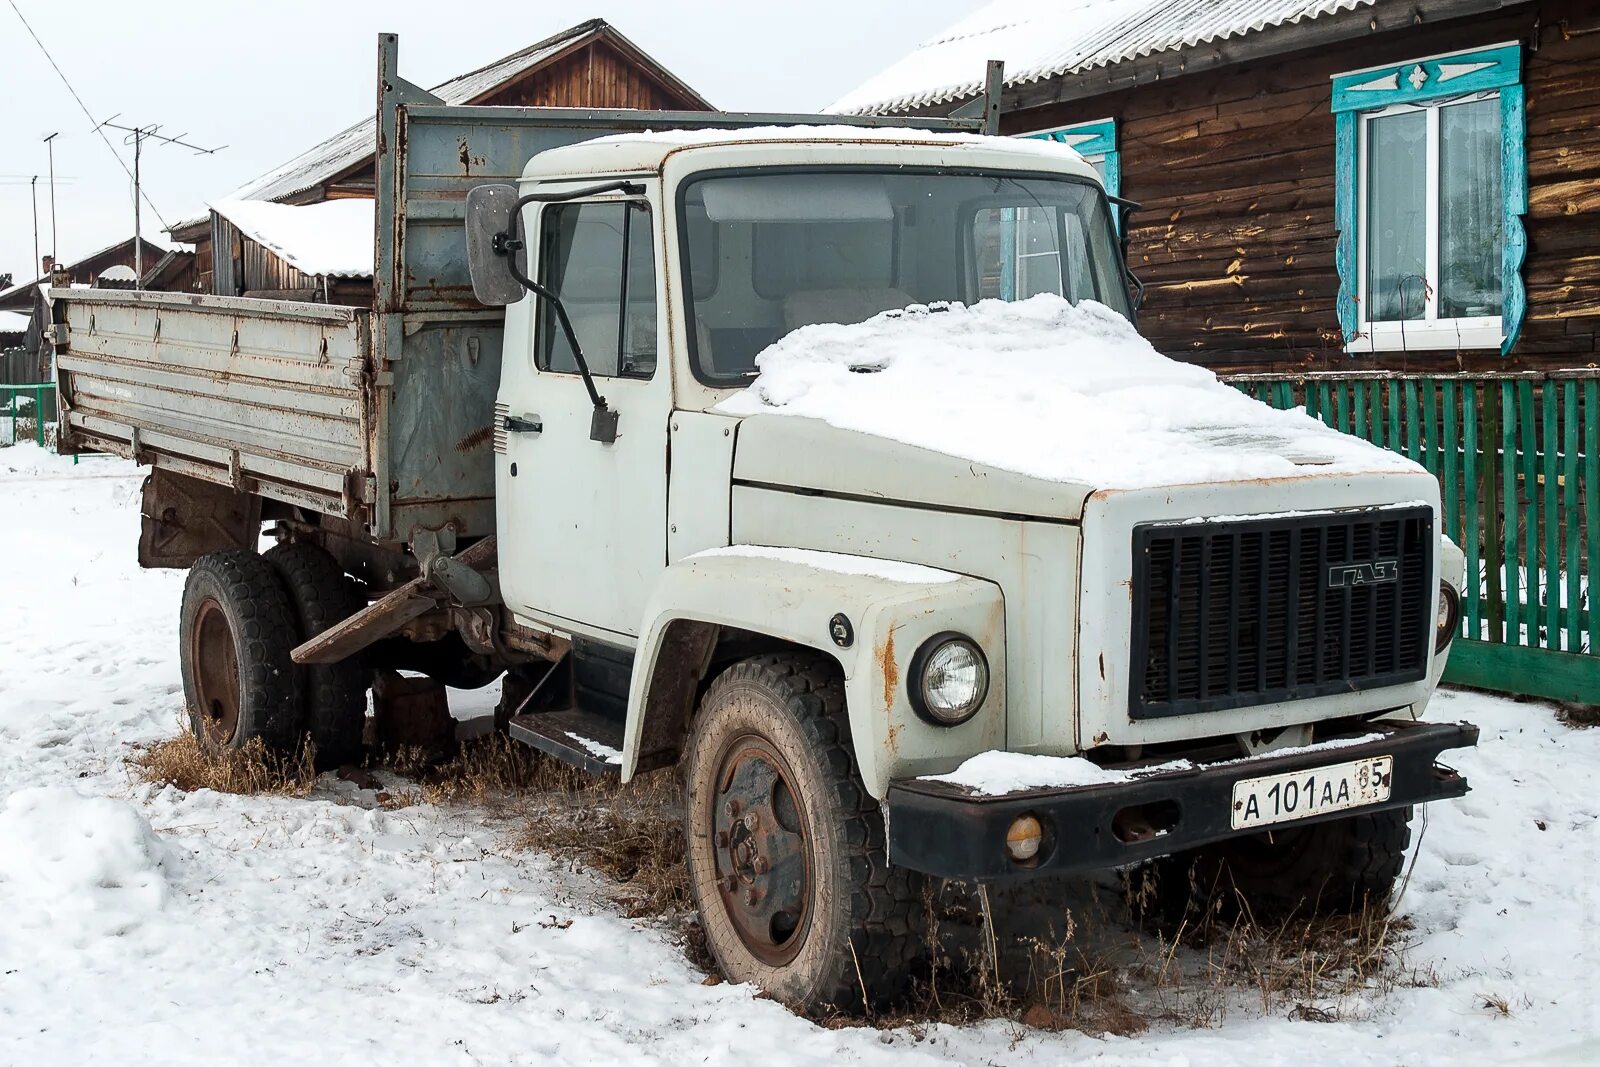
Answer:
(1025, 408)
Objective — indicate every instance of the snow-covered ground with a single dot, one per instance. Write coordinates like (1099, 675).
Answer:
(142, 925)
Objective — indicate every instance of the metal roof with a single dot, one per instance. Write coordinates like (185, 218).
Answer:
(351, 146)
(1041, 39)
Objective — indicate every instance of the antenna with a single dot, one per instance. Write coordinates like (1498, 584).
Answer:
(136, 136)
(49, 144)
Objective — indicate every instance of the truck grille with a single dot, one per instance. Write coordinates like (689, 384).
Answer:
(1233, 614)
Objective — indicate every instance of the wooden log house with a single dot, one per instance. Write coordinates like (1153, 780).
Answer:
(1244, 149)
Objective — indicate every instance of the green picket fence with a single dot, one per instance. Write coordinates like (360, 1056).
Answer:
(1518, 460)
(15, 406)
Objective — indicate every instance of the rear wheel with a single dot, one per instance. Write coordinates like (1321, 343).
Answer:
(1329, 868)
(335, 693)
(786, 848)
(236, 630)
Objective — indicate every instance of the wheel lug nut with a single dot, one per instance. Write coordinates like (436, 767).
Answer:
(751, 821)
(732, 809)
(750, 897)
(722, 839)
(759, 864)
(729, 882)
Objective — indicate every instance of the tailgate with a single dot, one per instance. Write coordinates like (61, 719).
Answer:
(263, 395)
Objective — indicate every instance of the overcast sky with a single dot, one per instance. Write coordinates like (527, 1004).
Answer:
(271, 79)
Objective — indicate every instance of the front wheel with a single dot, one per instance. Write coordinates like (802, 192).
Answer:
(787, 859)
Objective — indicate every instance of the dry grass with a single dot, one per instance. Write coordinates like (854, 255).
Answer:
(180, 761)
(1074, 957)
(1068, 955)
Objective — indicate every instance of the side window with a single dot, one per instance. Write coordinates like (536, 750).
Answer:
(1432, 186)
(599, 258)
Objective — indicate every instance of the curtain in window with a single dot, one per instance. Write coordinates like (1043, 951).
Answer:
(1470, 210)
(1397, 220)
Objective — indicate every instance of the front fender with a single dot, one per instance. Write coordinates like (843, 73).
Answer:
(892, 608)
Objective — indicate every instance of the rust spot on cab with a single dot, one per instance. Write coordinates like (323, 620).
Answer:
(475, 439)
(891, 673)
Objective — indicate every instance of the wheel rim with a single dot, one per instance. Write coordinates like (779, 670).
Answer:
(216, 673)
(763, 856)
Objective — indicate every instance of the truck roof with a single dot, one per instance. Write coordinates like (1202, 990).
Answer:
(648, 152)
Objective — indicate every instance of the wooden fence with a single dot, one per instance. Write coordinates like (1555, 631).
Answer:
(1518, 460)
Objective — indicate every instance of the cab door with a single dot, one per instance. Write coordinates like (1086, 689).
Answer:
(583, 521)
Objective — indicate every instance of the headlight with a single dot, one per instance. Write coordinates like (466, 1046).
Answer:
(949, 679)
(1448, 617)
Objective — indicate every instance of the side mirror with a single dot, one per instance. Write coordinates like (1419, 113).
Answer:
(489, 212)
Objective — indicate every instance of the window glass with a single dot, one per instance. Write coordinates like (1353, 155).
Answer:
(583, 250)
(1470, 209)
(703, 272)
(1397, 224)
(795, 249)
(794, 257)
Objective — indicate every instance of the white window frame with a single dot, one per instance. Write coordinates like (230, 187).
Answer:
(1429, 333)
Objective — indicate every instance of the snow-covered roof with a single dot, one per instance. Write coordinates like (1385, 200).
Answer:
(13, 322)
(332, 239)
(648, 150)
(1041, 39)
(73, 264)
(350, 146)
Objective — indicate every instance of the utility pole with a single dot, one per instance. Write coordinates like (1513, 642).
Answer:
(49, 144)
(136, 136)
(33, 190)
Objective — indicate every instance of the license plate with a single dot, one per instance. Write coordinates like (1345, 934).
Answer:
(1277, 798)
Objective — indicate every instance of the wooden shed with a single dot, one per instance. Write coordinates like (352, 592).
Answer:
(589, 65)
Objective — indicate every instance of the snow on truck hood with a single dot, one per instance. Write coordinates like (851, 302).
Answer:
(1062, 393)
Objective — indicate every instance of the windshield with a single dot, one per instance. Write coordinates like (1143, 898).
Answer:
(770, 252)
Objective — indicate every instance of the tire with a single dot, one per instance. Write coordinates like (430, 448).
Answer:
(335, 694)
(831, 920)
(1330, 868)
(236, 630)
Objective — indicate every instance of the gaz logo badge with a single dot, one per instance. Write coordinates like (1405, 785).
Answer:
(1378, 572)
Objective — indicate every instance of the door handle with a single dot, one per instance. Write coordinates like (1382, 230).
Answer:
(524, 424)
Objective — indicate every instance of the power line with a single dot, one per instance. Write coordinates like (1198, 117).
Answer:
(86, 112)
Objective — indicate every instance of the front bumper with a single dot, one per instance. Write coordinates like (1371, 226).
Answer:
(946, 831)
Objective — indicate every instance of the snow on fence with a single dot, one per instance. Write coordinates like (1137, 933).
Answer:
(1518, 460)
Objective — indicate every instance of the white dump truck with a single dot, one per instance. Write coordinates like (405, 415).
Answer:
(823, 463)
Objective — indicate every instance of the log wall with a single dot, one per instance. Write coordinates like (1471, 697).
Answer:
(1235, 172)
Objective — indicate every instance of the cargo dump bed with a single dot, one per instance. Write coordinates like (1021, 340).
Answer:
(384, 417)
(266, 396)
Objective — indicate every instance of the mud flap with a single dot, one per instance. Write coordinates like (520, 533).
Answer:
(183, 518)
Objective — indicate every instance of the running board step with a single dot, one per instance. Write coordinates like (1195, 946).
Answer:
(582, 738)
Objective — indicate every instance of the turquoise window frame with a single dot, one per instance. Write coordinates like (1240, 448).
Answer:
(1421, 81)
(1089, 139)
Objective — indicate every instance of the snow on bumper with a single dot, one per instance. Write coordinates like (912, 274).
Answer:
(952, 830)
